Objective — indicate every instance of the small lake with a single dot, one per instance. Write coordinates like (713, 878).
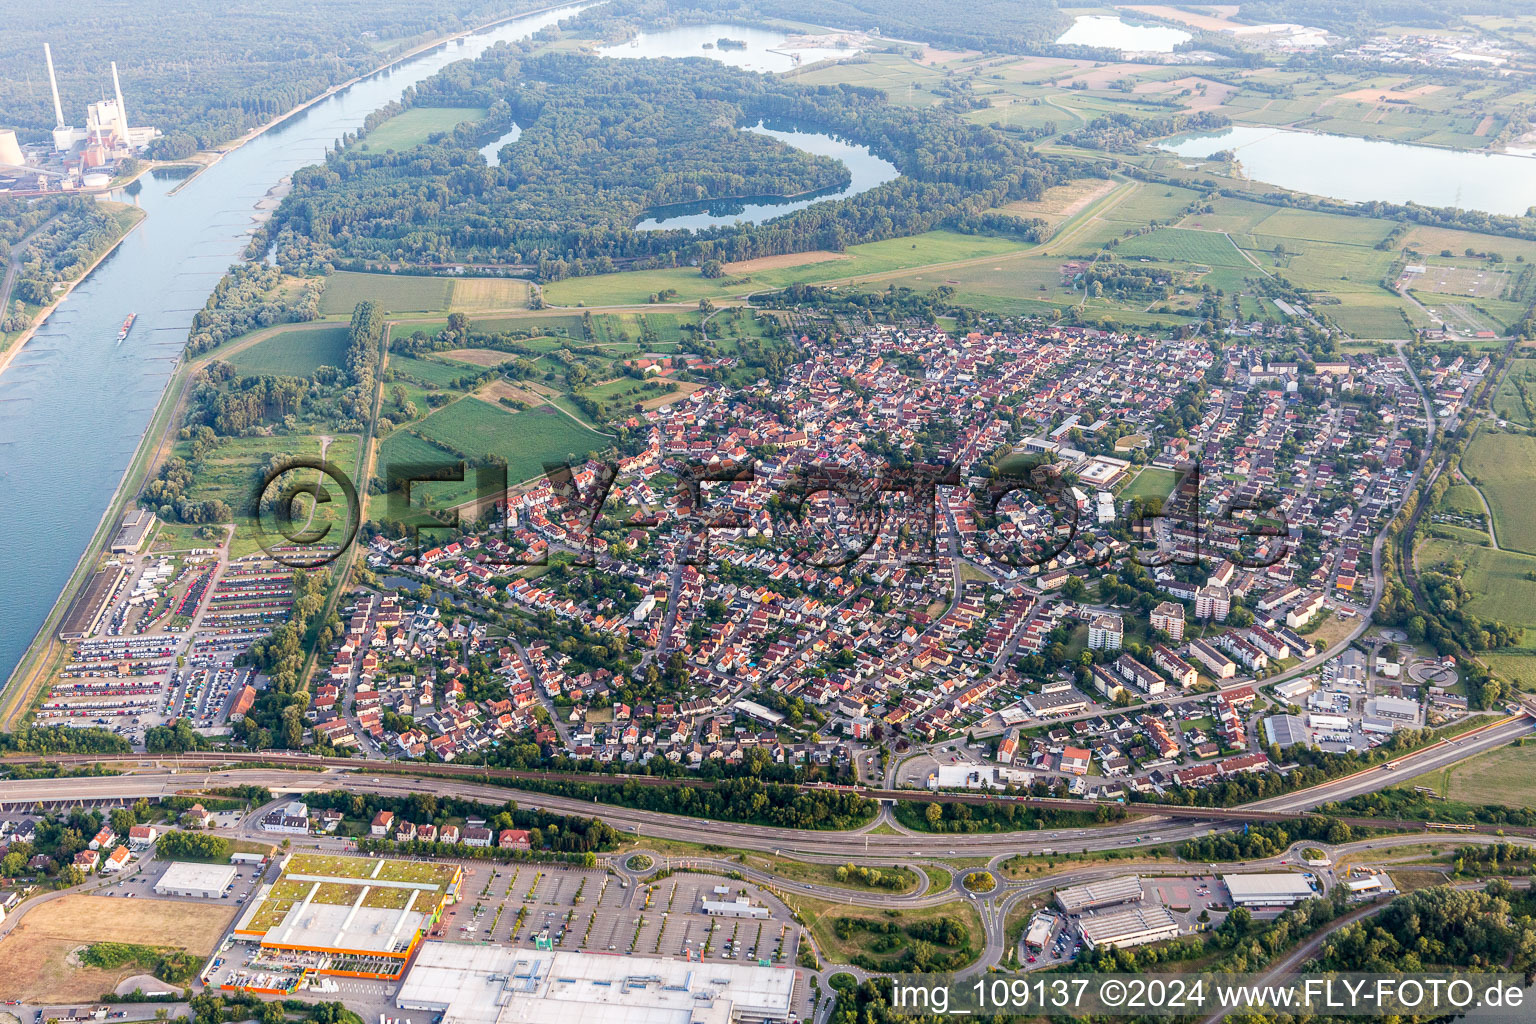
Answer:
(1361, 170)
(492, 150)
(1114, 33)
(867, 170)
(765, 49)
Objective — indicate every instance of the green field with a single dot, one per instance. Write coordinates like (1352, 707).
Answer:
(231, 473)
(471, 429)
(870, 258)
(1505, 776)
(1151, 483)
(1497, 579)
(393, 293)
(411, 127)
(1208, 248)
(294, 351)
(1504, 468)
(434, 372)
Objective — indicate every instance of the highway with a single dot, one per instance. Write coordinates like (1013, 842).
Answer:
(1158, 825)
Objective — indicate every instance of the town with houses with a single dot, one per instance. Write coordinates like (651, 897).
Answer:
(1108, 625)
(1135, 550)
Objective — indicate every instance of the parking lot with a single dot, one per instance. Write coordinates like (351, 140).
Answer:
(1186, 898)
(588, 910)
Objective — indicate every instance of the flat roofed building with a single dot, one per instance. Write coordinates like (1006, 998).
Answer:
(205, 881)
(1133, 926)
(739, 907)
(474, 984)
(1075, 899)
(365, 915)
(1286, 731)
(1064, 702)
(1267, 889)
(1039, 932)
(1397, 709)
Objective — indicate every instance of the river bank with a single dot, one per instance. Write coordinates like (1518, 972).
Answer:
(52, 307)
(80, 409)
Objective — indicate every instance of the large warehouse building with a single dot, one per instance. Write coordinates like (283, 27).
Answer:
(1075, 899)
(354, 916)
(1268, 889)
(206, 881)
(478, 984)
(1133, 926)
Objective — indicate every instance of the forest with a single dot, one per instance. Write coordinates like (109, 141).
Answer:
(66, 232)
(249, 297)
(225, 70)
(604, 140)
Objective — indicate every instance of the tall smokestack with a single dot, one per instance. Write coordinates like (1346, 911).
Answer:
(122, 111)
(58, 108)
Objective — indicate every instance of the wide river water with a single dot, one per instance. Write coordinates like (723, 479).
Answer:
(74, 403)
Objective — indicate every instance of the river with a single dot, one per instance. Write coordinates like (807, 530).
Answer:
(75, 403)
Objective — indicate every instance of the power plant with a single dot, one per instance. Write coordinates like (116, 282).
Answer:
(78, 157)
(107, 135)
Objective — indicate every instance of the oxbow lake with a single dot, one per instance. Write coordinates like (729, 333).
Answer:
(867, 170)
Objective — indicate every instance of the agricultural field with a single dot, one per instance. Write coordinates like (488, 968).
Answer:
(392, 293)
(296, 351)
(1208, 248)
(1504, 468)
(482, 294)
(471, 429)
(1500, 581)
(890, 255)
(1505, 776)
(36, 956)
(410, 128)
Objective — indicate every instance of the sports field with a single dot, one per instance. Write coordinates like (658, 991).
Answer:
(1504, 467)
(35, 958)
(411, 127)
(295, 351)
(1151, 483)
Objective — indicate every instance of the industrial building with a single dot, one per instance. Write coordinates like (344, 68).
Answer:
(1393, 709)
(1133, 926)
(1267, 889)
(1075, 899)
(1285, 731)
(479, 984)
(205, 881)
(106, 122)
(356, 916)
